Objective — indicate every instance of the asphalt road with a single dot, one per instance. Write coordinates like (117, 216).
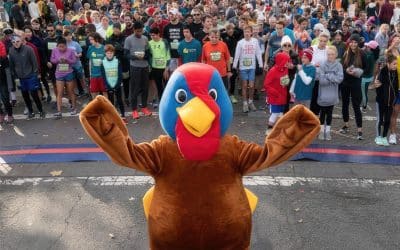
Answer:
(97, 205)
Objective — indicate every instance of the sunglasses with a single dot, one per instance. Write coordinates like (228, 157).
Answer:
(50, 30)
(196, 14)
(287, 45)
(17, 41)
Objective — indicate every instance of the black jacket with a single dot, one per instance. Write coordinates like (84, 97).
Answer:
(387, 93)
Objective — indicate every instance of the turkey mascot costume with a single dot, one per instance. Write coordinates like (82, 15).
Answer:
(198, 200)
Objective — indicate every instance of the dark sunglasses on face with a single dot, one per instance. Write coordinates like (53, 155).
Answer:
(50, 30)
(287, 45)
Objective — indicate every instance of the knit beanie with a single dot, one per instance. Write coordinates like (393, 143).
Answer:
(308, 53)
(285, 40)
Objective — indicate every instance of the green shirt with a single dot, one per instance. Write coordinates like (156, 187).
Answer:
(160, 54)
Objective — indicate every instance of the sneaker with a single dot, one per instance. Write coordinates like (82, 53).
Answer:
(393, 139)
(1, 118)
(48, 99)
(10, 119)
(26, 111)
(385, 142)
(328, 136)
(146, 112)
(252, 107)
(42, 115)
(135, 114)
(58, 115)
(321, 135)
(378, 141)
(155, 105)
(245, 107)
(344, 130)
(363, 110)
(360, 136)
(233, 99)
(74, 112)
(30, 116)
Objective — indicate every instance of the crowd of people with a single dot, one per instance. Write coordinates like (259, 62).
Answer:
(315, 53)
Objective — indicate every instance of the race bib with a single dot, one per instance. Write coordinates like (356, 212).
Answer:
(63, 67)
(174, 44)
(112, 73)
(285, 80)
(82, 43)
(51, 46)
(159, 62)
(247, 62)
(215, 56)
(97, 62)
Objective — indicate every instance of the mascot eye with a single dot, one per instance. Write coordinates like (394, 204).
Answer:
(180, 96)
(213, 93)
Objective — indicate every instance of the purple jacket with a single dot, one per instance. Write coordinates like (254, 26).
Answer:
(63, 68)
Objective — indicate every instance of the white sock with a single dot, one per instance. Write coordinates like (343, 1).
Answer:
(12, 95)
(250, 101)
(322, 128)
(244, 102)
(328, 128)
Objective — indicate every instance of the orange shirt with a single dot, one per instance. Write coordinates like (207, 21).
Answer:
(216, 55)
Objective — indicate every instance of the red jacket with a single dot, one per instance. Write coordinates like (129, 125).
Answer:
(277, 80)
(3, 51)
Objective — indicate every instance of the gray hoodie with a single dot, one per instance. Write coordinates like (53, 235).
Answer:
(23, 62)
(330, 76)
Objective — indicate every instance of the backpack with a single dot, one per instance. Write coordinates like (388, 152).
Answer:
(46, 10)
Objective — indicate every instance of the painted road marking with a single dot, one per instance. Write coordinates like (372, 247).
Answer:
(247, 180)
(4, 167)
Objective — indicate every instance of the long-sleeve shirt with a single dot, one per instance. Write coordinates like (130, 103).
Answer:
(63, 68)
(23, 63)
(246, 54)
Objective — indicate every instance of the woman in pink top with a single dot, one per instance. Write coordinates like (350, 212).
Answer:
(64, 58)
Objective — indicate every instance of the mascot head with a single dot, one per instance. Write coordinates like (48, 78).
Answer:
(195, 110)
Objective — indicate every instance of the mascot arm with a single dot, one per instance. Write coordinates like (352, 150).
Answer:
(293, 132)
(104, 126)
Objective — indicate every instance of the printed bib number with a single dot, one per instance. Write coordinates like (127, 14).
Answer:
(51, 46)
(247, 62)
(159, 62)
(97, 62)
(63, 67)
(215, 56)
(112, 73)
(174, 44)
(82, 43)
(285, 80)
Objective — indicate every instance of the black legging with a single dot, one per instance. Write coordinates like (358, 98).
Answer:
(314, 107)
(36, 99)
(139, 84)
(326, 115)
(232, 82)
(117, 92)
(5, 98)
(43, 76)
(383, 119)
(352, 90)
(157, 75)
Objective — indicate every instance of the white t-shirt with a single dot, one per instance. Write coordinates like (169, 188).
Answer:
(246, 54)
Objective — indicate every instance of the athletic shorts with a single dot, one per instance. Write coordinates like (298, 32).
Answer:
(276, 108)
(30, 83)
(247, 74)
(397, 102)
(67, 78)
(97, 84)
(78, 72)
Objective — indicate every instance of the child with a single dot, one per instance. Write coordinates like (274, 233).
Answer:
(111, 70)
(303, 84)
(246, 53)
(386, 94)
(330, 75)
(275, 84)
(95, 55)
